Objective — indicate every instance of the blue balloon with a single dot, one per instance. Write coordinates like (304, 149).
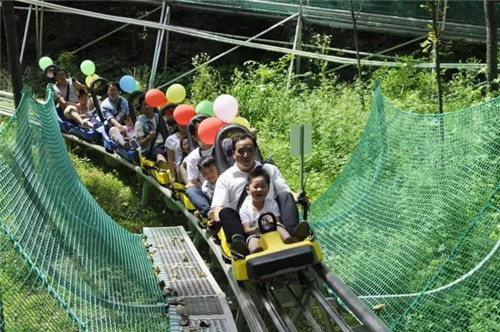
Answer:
(127, 83)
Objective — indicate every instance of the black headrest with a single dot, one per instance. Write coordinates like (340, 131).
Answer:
(98, 87)
(133, 99)
(191, 128)
(49, 73)
(223, 146)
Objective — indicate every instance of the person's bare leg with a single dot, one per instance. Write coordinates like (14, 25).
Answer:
(283, 232)
(76, 117)
(161, 157)
(285, 236)
(253, 244)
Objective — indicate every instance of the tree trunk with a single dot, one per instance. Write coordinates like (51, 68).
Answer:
(12, 49)
(356, 45)
(491, 41)
(437, 48)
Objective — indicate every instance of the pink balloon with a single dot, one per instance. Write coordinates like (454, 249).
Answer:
(225, 107)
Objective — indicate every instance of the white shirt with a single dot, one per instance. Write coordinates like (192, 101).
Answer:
(208, 189)
(110, 109)
(143, 126)
(249, 215)
(174, 143)
(61, 90)
(231, 183)
(192, 163)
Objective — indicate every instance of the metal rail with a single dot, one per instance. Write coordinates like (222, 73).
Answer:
(366, 317)
(340, 18)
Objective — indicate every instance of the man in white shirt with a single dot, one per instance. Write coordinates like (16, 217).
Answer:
(66, 90)
(230, 187)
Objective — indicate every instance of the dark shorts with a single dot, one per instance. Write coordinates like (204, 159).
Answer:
(156, 151)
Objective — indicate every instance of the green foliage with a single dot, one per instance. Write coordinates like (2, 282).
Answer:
(5, 80)
(206, 82)
(66, 60)
(332, 108)
(323, 43)
(120, 200)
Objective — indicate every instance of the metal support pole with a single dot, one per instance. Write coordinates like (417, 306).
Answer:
(37, 32)
(159, 40)
(302, 158)
(12, 49)
(298, 31)
(300, 21)
(41, 30)
(112, 32)
(145, 194)
(167, 37)
(228, 51)
(25, 34)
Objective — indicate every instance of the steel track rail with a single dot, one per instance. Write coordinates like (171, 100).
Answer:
(362, 313)
(304, 310)
(323, 303)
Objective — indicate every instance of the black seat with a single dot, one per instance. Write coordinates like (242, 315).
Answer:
(133, 99)
(223, 147)
(98, 90)
(48, 74)
(191, 129)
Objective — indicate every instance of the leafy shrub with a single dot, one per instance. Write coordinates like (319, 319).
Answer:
(335, 109)
(205, 85)
(120, 200)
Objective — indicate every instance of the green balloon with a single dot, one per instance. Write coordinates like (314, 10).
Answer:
(205, 107)
(137, 86)
(87, 67)
(45, 62)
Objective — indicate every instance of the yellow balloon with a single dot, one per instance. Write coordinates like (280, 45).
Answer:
(90, 78)
(176, 93)
(241, 121)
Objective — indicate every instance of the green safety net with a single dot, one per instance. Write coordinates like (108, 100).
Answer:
(65, 265)
(463, 11)
(412, 224)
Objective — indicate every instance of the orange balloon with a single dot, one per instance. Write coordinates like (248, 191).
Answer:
(155, 97)
(183, 113)
(208, 128)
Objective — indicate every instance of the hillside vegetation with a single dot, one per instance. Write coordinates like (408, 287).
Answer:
(334, 108)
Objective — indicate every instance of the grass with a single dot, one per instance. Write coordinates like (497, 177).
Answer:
(118, 192)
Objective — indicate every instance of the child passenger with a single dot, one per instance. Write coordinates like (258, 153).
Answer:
(256, 204)
(82, 112)
(202, 197)
(208, 170)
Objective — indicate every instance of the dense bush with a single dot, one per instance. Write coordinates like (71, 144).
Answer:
(334, 108)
